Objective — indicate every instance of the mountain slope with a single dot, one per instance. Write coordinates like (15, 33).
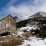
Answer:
(37, 18)
(25, 17)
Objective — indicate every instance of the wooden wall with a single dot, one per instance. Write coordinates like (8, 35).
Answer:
(5, 22)
(12, 21)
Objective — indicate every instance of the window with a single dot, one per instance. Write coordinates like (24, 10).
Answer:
(3, 24)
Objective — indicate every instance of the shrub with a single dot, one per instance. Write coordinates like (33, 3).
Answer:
(12, 43)
(39, 33)
(25, 30)
(35, 31)
(42, 33)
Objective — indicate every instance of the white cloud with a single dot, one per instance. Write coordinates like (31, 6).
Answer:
(24, 9)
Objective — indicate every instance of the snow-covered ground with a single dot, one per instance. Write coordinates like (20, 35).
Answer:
(28, 28)
(20, 33)
(34, 42)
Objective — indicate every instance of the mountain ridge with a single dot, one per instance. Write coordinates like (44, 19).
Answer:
(21, 18)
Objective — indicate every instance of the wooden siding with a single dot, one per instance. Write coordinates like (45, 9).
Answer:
(12, 21)
(5, 27)
(4, 24)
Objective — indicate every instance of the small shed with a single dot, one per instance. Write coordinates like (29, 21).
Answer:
(7, 24)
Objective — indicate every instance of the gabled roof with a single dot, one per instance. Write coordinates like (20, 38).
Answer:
(3, 17)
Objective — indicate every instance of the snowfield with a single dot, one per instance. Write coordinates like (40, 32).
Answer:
(34, 42)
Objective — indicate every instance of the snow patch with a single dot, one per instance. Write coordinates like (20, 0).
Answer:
(34, 42)
(28, 28)
(20, 33)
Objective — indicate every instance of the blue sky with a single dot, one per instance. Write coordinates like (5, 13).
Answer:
(21, 7)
